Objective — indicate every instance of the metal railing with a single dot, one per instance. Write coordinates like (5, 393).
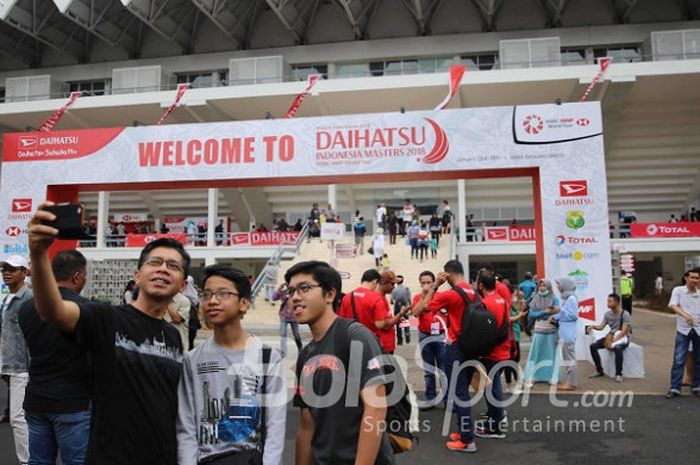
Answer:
(267, 278)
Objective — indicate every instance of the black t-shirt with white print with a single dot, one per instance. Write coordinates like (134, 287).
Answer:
(137, 362)
(337, 426)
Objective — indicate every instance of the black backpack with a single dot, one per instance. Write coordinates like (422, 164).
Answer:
(480, 332)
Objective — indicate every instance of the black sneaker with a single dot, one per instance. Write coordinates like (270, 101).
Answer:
(672, 394)
(597, 374)
(488, 433)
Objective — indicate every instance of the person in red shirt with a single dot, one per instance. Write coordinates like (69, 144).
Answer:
(459, 376)
(431, 338)
(368, 303)
(387, 333)
(496, 304)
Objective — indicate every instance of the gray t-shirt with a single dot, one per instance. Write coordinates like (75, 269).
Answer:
(220, 402)
(613, 320)
(337, 423)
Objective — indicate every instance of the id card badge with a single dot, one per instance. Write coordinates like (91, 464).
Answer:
(434, 328)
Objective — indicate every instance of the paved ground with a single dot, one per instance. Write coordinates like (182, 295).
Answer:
(611, 423)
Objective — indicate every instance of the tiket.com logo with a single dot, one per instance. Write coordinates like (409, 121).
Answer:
(13, 231)
(21, 205)
(28, 143)
(533, 124)
(573, 188)
(360, 144)
(577, 255)
(575, 219)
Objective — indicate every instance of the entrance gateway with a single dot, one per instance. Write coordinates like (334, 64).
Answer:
(560, 147)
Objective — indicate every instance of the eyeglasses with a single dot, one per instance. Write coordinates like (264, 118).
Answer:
(173, 265)
(303, 288)
(220, 295)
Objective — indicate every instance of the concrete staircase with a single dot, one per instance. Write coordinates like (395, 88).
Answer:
(400, 260)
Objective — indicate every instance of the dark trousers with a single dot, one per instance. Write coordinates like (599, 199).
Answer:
(627, 303)
(401, 332)
(600, 344)
(510, 372)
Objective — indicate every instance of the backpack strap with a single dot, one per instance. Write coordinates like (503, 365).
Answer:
(352, 303)
(465, 297)
(266, 354)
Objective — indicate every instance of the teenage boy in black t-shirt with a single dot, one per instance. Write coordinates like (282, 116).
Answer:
(341, 418)
(136, 355)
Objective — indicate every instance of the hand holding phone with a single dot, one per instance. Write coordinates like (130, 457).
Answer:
(69, 220)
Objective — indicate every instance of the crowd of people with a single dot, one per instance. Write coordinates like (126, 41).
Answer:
(103, 384)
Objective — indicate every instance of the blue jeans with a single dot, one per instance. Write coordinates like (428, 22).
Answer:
(51, 432)
(680, 353)
(495, 413)
(433, 355)
(459, 391)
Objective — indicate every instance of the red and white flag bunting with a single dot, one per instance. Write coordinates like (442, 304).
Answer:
(456, 73)
(181, 88)
(313, 79)
(49, 123)
(604, 63)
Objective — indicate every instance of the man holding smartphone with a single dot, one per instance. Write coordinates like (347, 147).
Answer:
(136, 355)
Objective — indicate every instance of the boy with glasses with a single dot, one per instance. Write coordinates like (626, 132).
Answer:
(136, 355)
(231, 396)
(340, 418)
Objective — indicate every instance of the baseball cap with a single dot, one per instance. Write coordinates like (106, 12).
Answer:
(16, 261)
(389, 276)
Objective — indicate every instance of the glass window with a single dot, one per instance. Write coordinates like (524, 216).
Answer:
(352, 70)
(87, 88)
(620, 55)
(302, 73)
(196, 80)
(574, 56)
(479, 62)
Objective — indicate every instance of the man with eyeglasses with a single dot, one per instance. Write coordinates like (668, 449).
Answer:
(136, 355)
(15, 359)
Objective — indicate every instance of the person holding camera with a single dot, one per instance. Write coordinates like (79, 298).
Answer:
(617, 340)
(136, 357)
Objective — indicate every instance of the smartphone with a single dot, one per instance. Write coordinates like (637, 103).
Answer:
(69, 220)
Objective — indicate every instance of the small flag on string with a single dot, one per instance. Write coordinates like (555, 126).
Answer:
(604, 63)
(181, 88)
(313, 78)
(456, 73)
(49, 123)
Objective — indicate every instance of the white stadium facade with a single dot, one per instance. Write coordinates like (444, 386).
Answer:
(246, 60)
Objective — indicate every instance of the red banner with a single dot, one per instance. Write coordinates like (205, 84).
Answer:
(264, 238)
(647, 230)
(514, 233)
(181, 88)
(140, 240)
(604, 63)
(300, 98)
(521, 233)
(456, 73)
(49, 123)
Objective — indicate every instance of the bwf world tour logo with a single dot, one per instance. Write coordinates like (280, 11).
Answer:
(533, 124)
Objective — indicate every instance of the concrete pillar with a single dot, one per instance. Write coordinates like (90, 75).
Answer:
(461, 211)
(333, 196)
(212, 215)
(102, 218)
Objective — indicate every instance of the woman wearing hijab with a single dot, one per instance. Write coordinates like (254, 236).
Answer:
(540, 365)
(378, 245)
(567, 318)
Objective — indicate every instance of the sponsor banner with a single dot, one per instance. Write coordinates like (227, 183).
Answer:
(140, 240)
(521, 233)
(131, 218)
(645, 230)
(496, 233)
(333, 231)
(345, 251)
(586, 309)
(543, 124)
(264, 238)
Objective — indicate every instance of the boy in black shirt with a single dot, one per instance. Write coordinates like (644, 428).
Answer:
(336, 429)
(136, 355)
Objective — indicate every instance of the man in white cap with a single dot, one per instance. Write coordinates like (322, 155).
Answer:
(15, 359)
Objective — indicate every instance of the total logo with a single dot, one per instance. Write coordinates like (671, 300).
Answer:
(580, 277)
(533, 124)
(575, 219)
(576, 240)
(577, 256)
(654, 229)
(573, 193)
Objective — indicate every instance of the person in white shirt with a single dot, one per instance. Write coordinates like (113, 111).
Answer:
(685, 302)
(659, 283)
(380, 215)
